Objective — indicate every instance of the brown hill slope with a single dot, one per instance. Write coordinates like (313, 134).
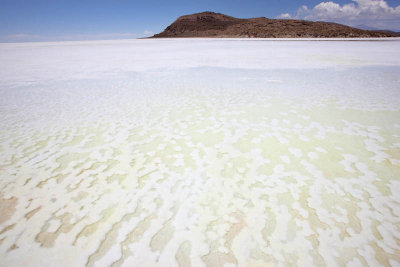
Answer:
(210, 24)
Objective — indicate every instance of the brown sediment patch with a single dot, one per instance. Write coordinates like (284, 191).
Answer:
(143, 178)
(374, 226)
(7, 228)
(395, 153)
(109, 240)
(332, 202)
(73, 187)
(258, 255)
(137, 233)
(183, 254)
(163, 236)
(65, 160)
(14, 246)
(27, 181)
(134, 236)
(316, 256)
(383, 256)
(119, 178)
(348, 254)
(47, 239)
(111, 163)
(217, 258)
(32, 212)
(269, 227)
(42, 183)
(7, 208)
(36, 147)
(81, 195)
(315, 224)
(90, 229)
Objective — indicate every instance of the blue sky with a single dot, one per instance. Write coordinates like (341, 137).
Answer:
(42, 20)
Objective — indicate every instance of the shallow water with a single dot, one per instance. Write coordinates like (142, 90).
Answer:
(200, 152)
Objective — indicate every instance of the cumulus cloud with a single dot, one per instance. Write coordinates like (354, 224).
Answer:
(372, 13)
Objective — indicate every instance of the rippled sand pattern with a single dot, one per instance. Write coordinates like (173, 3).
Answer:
(203, 166)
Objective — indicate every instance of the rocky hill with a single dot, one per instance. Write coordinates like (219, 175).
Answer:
(210, 24)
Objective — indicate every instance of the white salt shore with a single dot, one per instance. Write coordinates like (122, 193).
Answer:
(200, 152)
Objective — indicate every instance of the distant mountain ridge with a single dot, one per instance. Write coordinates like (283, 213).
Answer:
(369, 28)
(210, 24)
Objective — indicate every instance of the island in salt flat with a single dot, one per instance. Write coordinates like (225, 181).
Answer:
(210, 24)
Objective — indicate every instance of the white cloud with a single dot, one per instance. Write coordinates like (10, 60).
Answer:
(284, 16)
(373, 13)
